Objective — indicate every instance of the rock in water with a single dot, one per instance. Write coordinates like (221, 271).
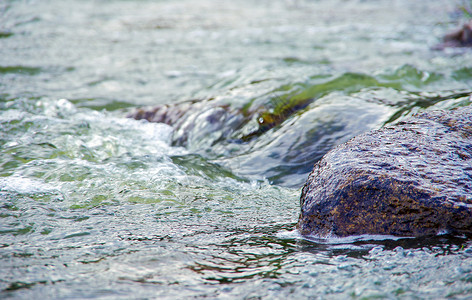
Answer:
(459, 38)
(409, 179)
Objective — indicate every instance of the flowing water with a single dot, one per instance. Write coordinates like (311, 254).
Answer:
(97, 205)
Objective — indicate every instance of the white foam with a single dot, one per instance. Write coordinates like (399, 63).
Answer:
(151, 131)
(333, 239)
(62, 108)
(23, 185)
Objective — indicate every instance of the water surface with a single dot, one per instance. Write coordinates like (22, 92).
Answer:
(96, 205)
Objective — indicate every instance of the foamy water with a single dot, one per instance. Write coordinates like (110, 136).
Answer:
(96, 205)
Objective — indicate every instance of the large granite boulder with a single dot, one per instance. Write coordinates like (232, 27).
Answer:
(409, 179)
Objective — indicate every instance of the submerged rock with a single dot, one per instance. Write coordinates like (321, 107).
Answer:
(207, 120)
(193, 121)
(459, 38)
(410, 179)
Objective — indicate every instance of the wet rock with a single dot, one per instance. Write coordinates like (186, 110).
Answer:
(206, 120)
(194, 121)
(410, 179)
(459, 38)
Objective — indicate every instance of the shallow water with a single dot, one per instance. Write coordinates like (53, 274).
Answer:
(96, 205)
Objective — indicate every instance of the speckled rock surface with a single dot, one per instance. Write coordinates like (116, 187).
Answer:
(409, 179)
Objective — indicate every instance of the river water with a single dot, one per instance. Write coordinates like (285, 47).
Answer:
(97, 205)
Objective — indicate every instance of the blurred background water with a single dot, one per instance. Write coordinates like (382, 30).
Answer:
(97, 205)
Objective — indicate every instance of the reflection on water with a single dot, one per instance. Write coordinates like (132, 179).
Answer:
(97, 205)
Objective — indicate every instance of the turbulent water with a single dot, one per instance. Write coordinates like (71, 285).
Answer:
(97, 205)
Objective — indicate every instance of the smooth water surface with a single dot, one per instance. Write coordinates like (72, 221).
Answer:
(97, 205)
